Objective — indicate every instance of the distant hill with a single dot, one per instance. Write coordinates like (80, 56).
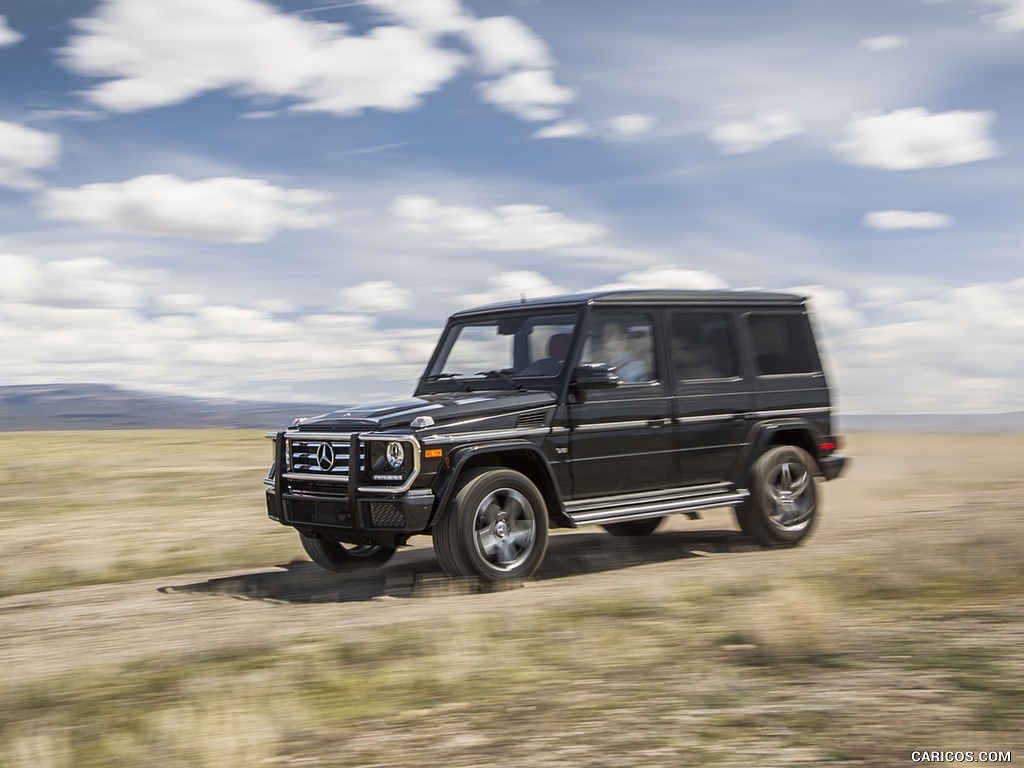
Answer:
(99, 406)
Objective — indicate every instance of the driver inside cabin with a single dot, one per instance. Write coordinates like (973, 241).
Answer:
(625, 347)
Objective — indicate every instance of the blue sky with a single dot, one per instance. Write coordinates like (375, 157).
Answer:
(285, 200)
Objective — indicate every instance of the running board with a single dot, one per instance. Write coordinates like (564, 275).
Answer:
(619, 509)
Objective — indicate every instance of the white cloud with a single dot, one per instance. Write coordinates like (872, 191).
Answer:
(153, 54)
(513, 286)
(757, 133)
(275, 306)
(520, 227)
(897, 349)
(375, 296)
(222, 210)
(90, 282)
(435, 16)
(79, 282)
(669, 277)
(883, 43)
(22, 150)
(22, 277)
(1011, 16)
(907, 220)
(529, 94)
(8, 36)
(180, 303)
(956, 350)
(158, 53)
(524, 84)
(831, 308)
(625, 127)
(563, 130)
(86, 320)
(618, 128)
(915, 138)
(503, 44)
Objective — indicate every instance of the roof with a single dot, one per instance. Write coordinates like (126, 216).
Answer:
(654, 297)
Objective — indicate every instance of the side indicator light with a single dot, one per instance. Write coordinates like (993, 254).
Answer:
(433, 453)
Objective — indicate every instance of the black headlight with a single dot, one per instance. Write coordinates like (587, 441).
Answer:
(391, 463)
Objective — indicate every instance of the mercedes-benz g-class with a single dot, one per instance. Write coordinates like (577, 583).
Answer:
(612, 409)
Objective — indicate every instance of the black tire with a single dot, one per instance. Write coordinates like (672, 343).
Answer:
(339, 556)
(495, 529)
(783, 504)
(644, 527)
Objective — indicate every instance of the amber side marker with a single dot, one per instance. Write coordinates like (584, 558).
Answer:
(433, 453)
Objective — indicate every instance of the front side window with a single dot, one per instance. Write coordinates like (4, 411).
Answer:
(624, 341)
(782, 343)
(507, 348)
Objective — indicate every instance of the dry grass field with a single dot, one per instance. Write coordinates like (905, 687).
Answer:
(151, 615)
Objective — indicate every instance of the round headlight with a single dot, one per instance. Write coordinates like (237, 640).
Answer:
(395, 454)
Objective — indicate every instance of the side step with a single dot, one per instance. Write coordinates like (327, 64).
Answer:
(618, 509)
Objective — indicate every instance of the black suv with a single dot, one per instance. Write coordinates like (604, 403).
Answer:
(611, 409)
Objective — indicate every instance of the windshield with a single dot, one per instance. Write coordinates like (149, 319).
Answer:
(506, 348)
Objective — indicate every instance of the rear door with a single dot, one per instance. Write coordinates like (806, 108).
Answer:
(621, 438)
(788, 375)
(711, 396)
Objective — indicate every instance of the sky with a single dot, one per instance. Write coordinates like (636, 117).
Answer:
(285, 200)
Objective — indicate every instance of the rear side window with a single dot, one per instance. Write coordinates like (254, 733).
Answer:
(702, 346)
(782, 343)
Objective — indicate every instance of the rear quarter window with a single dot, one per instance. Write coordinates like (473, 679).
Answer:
(782, 343)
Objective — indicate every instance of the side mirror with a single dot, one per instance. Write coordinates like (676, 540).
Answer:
(595, 376)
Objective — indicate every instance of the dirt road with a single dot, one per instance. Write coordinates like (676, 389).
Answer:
(888, 498)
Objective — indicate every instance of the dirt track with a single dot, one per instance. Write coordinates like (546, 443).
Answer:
(887, 497)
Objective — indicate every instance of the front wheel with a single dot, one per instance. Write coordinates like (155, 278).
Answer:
(339, 556)
(495, 529)
(783, 504)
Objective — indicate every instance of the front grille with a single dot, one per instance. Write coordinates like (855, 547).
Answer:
(303, 456)
(311, 487)
(386, 514)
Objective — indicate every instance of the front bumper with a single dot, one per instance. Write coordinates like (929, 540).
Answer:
(333, 516)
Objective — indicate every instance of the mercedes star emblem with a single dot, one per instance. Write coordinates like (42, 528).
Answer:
(325, 457)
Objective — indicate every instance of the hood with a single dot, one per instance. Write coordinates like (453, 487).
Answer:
(444, 409)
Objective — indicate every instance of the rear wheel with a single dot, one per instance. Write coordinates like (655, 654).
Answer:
(339, 556)
(644, 527)
(495, 529)
(783, 504)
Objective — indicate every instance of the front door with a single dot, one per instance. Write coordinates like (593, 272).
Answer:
(621, 438)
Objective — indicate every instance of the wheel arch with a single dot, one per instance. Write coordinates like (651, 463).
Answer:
(521, 456)
(793, 431)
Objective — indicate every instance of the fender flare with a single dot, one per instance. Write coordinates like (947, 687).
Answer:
(447, 480)
(763, 434)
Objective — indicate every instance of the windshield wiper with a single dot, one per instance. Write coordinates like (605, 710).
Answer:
(463, 385)
(503, 375)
